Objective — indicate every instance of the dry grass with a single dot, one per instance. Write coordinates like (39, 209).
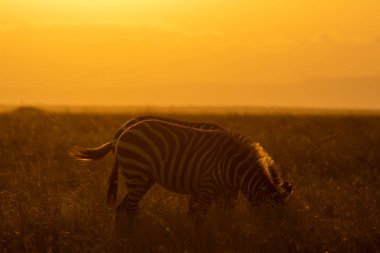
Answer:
(50, 203)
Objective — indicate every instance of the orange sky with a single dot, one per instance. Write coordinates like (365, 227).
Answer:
(314, 53)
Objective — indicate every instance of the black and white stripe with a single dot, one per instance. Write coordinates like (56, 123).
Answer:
(202, 163)
(229, 198)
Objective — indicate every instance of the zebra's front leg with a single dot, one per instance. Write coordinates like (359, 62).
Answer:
(229, 200)
(198, 211)
(200, 203)
(193, 205)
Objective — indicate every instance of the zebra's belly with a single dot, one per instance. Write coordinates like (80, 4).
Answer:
(178, 184)
(181, 190)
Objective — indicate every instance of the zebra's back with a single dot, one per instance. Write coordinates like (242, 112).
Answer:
(200, 125)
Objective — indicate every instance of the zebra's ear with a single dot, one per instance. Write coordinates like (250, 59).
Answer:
(285, 185)
(288, 190)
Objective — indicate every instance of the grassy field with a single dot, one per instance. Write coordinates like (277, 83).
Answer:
(50, 203)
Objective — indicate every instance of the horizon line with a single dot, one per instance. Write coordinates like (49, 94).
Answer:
(217, 109)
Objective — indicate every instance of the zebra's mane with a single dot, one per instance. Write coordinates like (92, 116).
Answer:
(242, 141)
(256, 153)
(268, 164)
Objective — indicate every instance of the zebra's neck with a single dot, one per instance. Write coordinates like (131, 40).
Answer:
(230, 160)
(252, 180)
(235, 159)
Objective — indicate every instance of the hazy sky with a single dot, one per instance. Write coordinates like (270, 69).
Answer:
(315, 53)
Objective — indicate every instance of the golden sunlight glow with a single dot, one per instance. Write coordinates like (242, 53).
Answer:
(213, 52)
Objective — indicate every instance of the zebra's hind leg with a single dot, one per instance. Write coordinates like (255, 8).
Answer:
(128, 208)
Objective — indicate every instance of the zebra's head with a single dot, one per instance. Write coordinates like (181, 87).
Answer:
(269, 185)
(277, 193)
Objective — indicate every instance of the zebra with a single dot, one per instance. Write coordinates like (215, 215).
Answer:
(229, 198)
(201, 163)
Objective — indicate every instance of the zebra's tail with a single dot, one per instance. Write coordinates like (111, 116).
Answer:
(113, 184)
(85, 154)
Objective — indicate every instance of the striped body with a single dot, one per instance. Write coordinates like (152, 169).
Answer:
(229, 198)
(202, 163)
(176, 157)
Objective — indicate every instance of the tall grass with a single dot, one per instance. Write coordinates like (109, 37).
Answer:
(50, 203)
